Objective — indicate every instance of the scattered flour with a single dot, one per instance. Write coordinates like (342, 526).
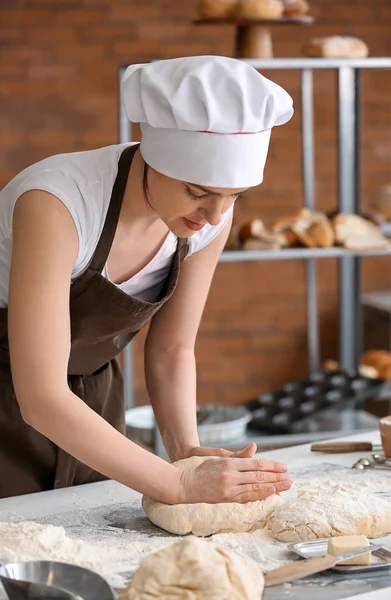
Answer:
(85, 537)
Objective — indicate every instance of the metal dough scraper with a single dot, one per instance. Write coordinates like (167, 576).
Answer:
(309, 566)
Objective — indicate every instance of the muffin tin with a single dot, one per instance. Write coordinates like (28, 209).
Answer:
(278, 411)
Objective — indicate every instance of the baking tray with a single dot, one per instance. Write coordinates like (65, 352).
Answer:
(317, 548)
(289, 409)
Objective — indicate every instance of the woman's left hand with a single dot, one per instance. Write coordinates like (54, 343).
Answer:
(201, 451)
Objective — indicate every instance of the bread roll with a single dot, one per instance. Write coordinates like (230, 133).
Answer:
(336, 47)
(355, 233)
(295, 8)
(379, 360)
(259, 9)
(367, 371)
(330, 365)
(216, 9)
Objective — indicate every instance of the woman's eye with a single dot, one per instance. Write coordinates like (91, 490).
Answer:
(192, 195)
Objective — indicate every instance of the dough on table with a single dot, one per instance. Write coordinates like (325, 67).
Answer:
(330, 512)
(207, 519)
(194, 569)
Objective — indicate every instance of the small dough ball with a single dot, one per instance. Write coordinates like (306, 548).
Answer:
(193, 569)
(345, 543)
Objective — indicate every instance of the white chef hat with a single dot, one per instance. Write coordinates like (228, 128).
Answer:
(205, 119)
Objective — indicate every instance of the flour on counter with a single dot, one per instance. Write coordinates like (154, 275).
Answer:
(112, 538)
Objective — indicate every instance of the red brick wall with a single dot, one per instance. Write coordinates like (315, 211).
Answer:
(58, 82)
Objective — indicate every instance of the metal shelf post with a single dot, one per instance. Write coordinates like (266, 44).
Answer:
(348, 180)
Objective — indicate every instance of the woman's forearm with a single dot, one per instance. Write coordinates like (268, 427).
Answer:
(73, 426)
(172, 382)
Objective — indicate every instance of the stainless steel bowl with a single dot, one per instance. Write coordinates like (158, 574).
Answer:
(217, 424)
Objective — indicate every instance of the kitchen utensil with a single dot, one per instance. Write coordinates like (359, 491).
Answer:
(216, 424)
(380, 460)
(364, 464)
(23, 590)
(23, 580)
(303, 568)
(385, 432)
(343, 447)
(381, 558)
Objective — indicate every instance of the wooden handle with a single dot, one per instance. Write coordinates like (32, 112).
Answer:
(342, 447)
(299, 569)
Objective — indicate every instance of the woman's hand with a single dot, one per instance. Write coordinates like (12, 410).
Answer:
(201, 451)
(233, 480)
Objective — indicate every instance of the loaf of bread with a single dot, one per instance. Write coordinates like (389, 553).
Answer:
(253, 235)
(216, 9)
(356, 233)
(379, 360)
(310, 228)
(266, 241)
(336, 47)
(259, 9)
(315, 232)
(286, 223)
(295, 8)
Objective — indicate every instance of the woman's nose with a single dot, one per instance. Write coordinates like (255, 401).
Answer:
(213, 213)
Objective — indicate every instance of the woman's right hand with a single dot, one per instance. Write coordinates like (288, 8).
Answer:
(233, 480)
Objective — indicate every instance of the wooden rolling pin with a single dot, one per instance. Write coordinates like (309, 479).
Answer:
(342, 447)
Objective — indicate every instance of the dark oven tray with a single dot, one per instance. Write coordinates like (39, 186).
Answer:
(281, 410)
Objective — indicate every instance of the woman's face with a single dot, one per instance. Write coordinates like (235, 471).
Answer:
(185, 207)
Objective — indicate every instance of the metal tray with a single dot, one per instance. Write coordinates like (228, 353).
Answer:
(290, 409)
(317, 548)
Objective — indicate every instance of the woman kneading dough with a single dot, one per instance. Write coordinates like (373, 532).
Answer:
(94, 245)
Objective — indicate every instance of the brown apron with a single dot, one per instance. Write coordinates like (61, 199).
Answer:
(103, 321)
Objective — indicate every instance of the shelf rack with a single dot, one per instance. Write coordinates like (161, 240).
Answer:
(347, 72)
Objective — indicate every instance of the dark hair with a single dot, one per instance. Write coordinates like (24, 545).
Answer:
(145, 181)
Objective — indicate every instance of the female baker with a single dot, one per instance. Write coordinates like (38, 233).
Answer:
(93, 246)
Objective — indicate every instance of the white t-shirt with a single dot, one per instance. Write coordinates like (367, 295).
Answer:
(83, 181)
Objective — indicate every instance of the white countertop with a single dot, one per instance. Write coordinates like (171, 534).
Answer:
(109, 493)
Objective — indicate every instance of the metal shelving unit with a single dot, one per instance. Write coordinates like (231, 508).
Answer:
(347, 73)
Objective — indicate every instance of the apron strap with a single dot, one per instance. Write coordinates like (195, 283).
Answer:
(106, 239)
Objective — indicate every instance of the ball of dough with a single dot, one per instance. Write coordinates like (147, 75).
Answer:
(330, 512)
(193, 569)
(207, 519)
